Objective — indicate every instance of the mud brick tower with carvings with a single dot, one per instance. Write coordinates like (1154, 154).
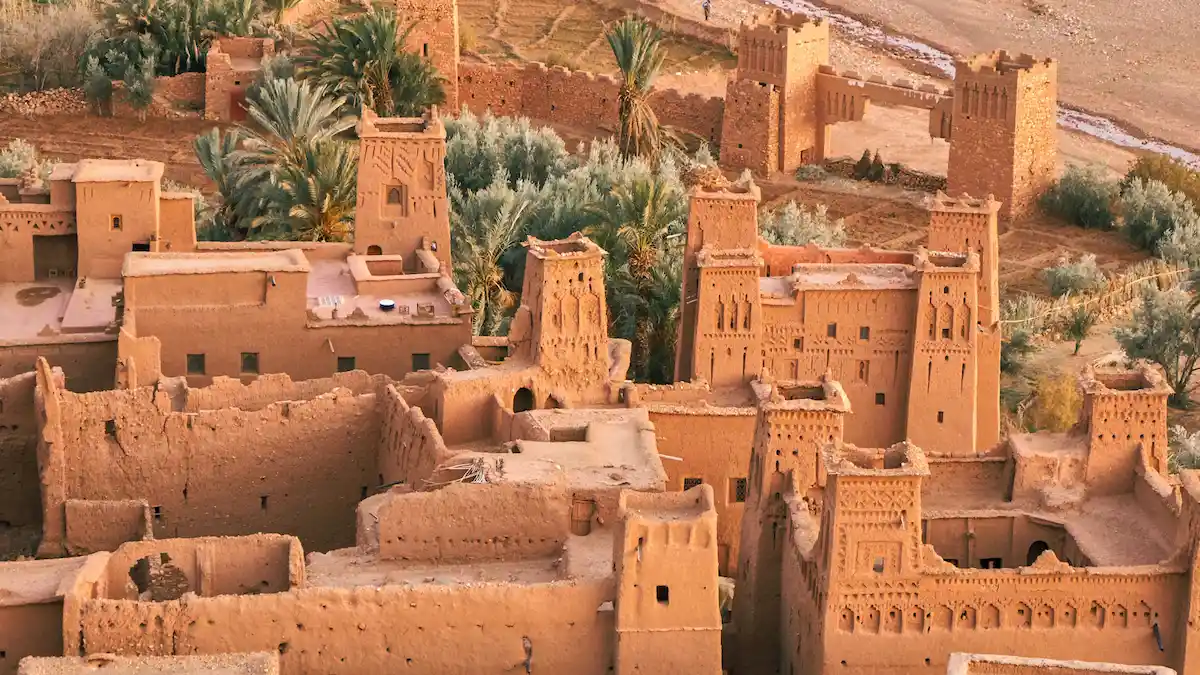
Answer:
(1003, 139)
(434, 36)
(402, 205)
(771, 122)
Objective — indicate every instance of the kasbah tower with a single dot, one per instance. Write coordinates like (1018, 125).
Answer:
(435, 37)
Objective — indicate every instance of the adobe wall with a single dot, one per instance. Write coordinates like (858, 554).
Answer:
(265, 390)
(20, 489)
(88, 366)
(714, 443)
(779, 260)
(992, 664)
(951, 478)
(966, 538)
(96, 525)
(798, 346)
(462, 523)
(19, 223)
(410, 445)
(29, 630)
(296, 467)
(225, 78)
(577, 99)
(1102, 614)
(751, 110)
(177, 223)
(427, 628)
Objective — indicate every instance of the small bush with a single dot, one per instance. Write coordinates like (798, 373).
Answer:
(1014, 351)
(17, 158)
(797, 225)
(1151, 211)
(466, 38)
(1078, 325)
(1184, 449)
(1084, 197)
(1078, 277)
(1057, 402)
(811, 173)
(97, 87)
(43, 45)
(557, 59)
(1177, 176)
(863, 166)
(139, 86)
(876, 171)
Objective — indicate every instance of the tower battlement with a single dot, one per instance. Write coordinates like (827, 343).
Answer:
(1001, 62)
(575, 247)
(946, 261)
(943, 203)
(901, 459)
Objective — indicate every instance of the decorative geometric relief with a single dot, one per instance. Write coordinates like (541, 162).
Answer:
(1043, 617)
(1116, 618)
(878, 559)
(846, 620)
(1095, 616)
(914, 620)
(869, 620)
(891, 620)
(941, 618)
(1141, 616)
(1022, 616)
(1067, 617)
(967, 618)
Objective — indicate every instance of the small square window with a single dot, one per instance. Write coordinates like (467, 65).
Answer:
(798, 344)
(689, 483)
(737, 490)
(662, 594)
(140, 247)
(345, 364)
(420, 362)
(831, 330)
(864, 333)
(110, 427)
(195, 364)
(941, 417)
(250, 363)
(946, 333)
(991, 563)
(115, 222)
(878, 565)
(879, 399)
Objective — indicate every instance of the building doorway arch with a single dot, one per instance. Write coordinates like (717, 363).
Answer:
(1036, 549)
(523, 400)
(374, 249)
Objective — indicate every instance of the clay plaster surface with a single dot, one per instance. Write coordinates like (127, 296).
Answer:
(36, 581)
(216, 664)
(29, 308)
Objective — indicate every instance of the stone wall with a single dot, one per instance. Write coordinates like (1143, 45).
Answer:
(296, 467)
(577, 99)
(410, 444)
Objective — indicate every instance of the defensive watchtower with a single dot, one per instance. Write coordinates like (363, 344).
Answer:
(1003, 129)
(434, 36)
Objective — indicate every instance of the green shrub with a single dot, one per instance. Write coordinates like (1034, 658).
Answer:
(863, 166)
(1077, 277)
(17, 158)
(876, 171)
(1177, 176)
(811, 173)
(797, 225)
(1151, 211)
(1084, 197)
(1184, 449)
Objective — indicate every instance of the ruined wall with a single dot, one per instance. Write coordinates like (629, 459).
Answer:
(88, 366)
(578, 99)
(462, 523)
(296, 467)
(185, 90)
(721, 461)
(265, 390)
(952, 478)
(208, 566)
(232, 64)
(20, 491)
(410, 445)
(749, 136)
(968, 539)
(427, 628)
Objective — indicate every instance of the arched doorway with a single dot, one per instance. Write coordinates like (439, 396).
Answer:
(523, 400)
(1036, 549)
(374, 250)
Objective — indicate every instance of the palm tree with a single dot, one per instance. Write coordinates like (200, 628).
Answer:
(486, 224)
(240, 201)
(279, 7)
(634, 221)
(635, 45)
(363, 59)
(314, 200)
(291, 118)
(129, 16)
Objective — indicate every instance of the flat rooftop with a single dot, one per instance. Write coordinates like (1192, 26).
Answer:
(614, 455)
(161, 264)
(994, 664)
(260, 663)
(331, 284)
(35, 582)
(847, 276)
(55, 311)
(116, 170)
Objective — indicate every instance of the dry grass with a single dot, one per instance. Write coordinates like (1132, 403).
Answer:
(40, 45)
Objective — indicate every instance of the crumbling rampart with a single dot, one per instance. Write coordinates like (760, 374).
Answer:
(410, 445)
(20, 497)
(578, 99)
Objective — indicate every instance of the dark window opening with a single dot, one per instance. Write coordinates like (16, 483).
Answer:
(425, 49)
(1036, 549)
(262, 502)
(864, 333)
(831, 330)
(689, 483)
(991, 563)
(523, 400)
(195, 364)
(662, 594)
(345, 364)
(393, 196)
(374, 249)
(158, 513)
(110, 427)
(738, 490)
(116, 222)
(878, 565)
(941, 417)
(952, 561)
(798, 344)
(250, 363)
(879, 399)
(420, 362)
(946, 333)
(141, 247)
